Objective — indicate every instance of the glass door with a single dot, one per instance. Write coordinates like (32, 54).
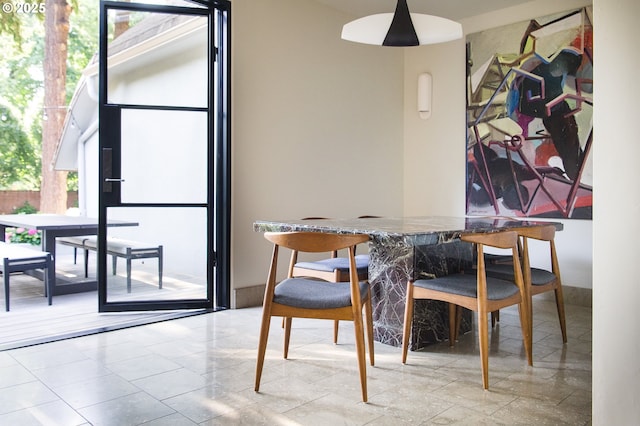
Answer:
(163, 238)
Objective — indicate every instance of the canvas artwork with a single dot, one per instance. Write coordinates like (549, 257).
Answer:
(529, 117)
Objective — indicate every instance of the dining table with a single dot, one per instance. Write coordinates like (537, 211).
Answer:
(404, 248)
(53, 226)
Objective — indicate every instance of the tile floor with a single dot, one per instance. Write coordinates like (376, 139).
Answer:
(200, 371)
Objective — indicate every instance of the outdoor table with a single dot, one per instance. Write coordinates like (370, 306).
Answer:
(53, 226)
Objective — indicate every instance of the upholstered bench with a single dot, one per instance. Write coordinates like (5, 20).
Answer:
(116, 247)
(17, 258)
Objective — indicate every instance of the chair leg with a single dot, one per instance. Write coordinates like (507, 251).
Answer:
(453, 323)
(483, 340)
(527, 330)
(369, 324)
(160, 263)
(5, 275)
(49, 279)
(495, 318)
(128, 273)
(560, 307)
(408, 319)
(86, 263)
(336, 324)
(287, 336)
(360, 351)
(262, 346)
(458, 321)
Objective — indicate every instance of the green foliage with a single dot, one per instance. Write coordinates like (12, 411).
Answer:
(83, 40)
(72, 181)
(23, 235)
(17, 153)
(21, 60)
(26, 208)
(10, 22)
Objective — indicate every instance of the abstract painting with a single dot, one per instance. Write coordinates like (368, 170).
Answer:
(530, 118)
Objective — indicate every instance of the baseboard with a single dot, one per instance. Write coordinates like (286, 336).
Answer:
(247, 297)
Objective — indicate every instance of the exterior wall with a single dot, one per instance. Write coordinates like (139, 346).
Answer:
(89, 200)
(151, 147)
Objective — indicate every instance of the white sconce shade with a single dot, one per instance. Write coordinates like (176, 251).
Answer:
(424, 95)
(401, 28)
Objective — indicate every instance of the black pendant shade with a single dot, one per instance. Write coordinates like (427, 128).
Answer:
(401, 32)
(401, 29)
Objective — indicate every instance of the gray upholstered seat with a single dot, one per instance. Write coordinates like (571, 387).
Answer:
(505, 272)
(467, 285)
(337, 263)
(316, 294)
(497, 258)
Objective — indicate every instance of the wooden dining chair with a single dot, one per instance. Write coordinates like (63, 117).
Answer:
(478, 292)
(538, 280)
(303, 297)
(334, 269)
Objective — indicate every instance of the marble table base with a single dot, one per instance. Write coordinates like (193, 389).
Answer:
(393, 262)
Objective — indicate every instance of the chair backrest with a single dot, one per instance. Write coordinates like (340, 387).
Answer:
(541, 233)
(334, 253)
(315, 242)
(502, 240)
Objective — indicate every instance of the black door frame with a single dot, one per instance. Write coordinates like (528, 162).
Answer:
(219, 168)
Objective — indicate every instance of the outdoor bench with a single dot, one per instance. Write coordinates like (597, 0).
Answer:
(17, 258)
(116, 247)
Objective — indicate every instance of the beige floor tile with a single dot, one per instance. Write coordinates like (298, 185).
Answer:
(201, 370)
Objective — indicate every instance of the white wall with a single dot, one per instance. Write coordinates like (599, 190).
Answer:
(317, 124)
(435, 148)
(88, 168)
(616, 291)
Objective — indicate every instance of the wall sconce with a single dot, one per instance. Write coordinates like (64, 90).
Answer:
(424, 95)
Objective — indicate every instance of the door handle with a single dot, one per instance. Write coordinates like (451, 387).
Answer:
(113, 180)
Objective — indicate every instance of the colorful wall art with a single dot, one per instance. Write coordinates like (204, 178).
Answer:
(529, 117)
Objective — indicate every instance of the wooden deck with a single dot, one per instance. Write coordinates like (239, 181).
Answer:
(32, 321)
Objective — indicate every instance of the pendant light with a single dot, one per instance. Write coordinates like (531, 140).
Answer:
(401, 28)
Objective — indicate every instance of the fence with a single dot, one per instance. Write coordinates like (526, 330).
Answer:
(11, 200)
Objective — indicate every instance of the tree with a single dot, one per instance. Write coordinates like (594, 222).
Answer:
(10, 22)
(17, 156)
(22, 35)
(21, 65)
(53, 191)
